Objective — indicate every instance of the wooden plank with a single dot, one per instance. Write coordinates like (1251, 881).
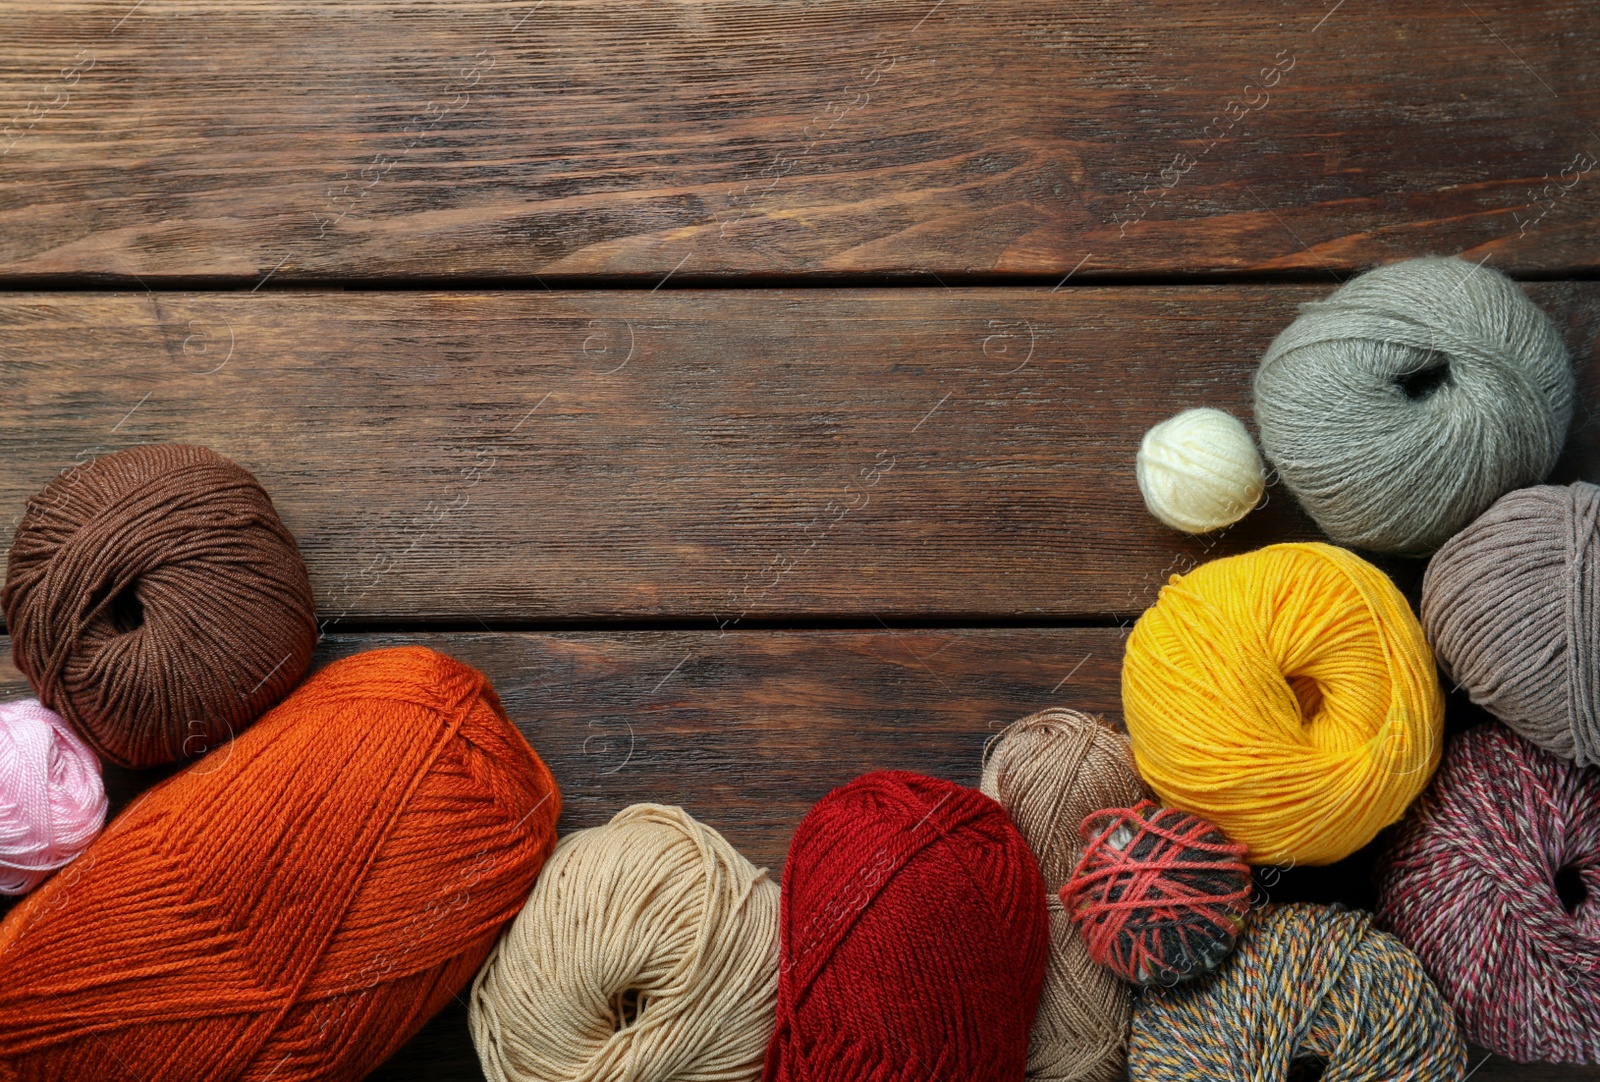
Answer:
(747, 729)
(606, 137)
(928, 455)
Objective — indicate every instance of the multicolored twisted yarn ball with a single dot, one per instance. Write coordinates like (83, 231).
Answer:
(1494, 880)
(1307, 981)
(1159, 895)
(913, 938)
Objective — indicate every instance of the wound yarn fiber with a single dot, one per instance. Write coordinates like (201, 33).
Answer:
(1048, 771)
(1199, 471)
(157, 603)
(913, 938)
(296, 904)
(1473, 883)
(52, 802)
(1511, 605)
(648, 951)
(1288, 696)
(1310, 983)
(1159, 895)
(1404, 404)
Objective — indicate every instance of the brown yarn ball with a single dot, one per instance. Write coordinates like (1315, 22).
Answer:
(156, 601)
(1511, 605)
(1049, 770)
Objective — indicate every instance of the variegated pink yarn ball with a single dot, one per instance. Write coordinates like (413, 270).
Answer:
(52, 802)
(1494, 881)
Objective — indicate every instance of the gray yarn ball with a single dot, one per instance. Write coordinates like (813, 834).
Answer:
(1402, 406)
(1511, 605)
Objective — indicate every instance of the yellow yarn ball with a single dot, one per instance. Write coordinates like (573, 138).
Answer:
(1199, 471)
(1288, 696)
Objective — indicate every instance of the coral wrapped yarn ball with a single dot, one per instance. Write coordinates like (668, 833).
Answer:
(1160, 895)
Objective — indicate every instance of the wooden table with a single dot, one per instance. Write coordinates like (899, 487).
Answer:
(750, 388)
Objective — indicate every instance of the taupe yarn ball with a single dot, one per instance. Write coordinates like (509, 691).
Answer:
(647, 952)
(1399, 408)
(1049, 770)
(156, 601)
(1511, 605)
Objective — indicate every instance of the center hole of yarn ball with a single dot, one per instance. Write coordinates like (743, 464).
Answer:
(1570, 888)
(1309, 692)
(124, 611)
(1422, 383)
(628, 1008)
(1305, 1070)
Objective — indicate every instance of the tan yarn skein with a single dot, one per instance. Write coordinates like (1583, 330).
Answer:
(647, 952)
(1049, 770)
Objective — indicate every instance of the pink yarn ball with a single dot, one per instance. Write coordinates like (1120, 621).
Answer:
(52, 802)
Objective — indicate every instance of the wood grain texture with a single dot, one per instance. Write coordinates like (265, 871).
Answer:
(751, 457)
(607, 137)
(747, 729)
(952, 455)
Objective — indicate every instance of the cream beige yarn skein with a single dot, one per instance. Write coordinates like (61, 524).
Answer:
(1049, 770)
(647, 952)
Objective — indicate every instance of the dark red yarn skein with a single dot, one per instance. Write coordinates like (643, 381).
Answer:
(1160, 895)
(914, 938)
(156, 601)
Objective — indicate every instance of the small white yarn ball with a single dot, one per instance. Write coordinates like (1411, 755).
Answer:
(1200, 471)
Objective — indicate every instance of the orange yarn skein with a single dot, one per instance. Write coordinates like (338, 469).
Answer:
(296, 904)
